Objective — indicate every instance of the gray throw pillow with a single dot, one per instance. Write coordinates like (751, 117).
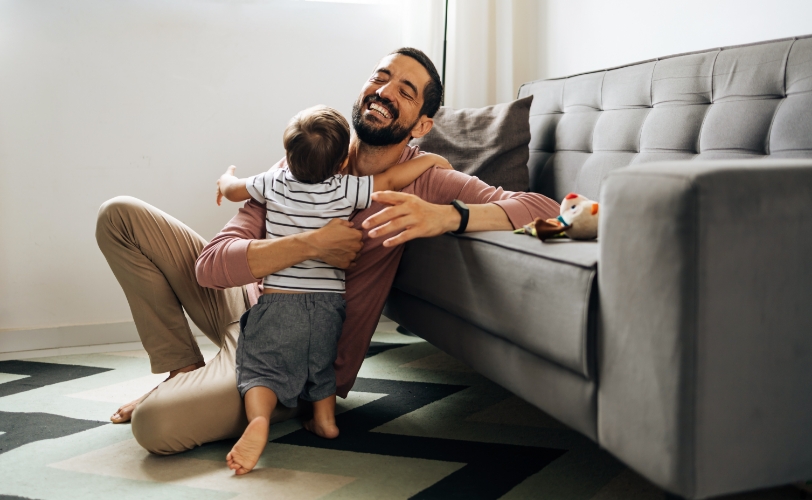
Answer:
(490, 143)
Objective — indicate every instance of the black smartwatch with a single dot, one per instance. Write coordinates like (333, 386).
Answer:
(462, 208)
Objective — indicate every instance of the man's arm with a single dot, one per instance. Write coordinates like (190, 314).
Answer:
(417, 218)
(239, 254)
(427, 213)
(336, 244)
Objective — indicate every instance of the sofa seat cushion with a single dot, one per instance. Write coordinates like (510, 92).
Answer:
(536, 295)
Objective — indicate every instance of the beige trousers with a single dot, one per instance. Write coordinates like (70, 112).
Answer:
(153, 256)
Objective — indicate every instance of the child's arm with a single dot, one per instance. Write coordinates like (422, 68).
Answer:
(231, 187)
(401, 175)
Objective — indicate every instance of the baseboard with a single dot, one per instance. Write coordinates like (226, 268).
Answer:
(87, 349)
(74, 339)
(78, 339)
(63, 351)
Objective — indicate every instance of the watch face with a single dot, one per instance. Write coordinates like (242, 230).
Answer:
(461, 204)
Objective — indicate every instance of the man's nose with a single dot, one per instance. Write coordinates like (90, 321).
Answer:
(386, 91)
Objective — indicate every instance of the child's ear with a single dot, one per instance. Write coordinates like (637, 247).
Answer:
(344, 165)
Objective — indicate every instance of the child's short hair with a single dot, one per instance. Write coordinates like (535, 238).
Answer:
(317, 140)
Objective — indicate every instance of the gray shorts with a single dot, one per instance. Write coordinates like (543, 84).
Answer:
(288, 344)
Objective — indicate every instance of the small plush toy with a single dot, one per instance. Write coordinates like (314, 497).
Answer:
(578, 220)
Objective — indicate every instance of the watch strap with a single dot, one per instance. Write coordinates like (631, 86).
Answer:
(462, 208)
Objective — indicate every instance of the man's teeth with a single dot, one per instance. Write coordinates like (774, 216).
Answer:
(379, 109)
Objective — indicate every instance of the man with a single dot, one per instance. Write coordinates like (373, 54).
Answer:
(161, 264)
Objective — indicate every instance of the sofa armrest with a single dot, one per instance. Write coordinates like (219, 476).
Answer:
(705, 341)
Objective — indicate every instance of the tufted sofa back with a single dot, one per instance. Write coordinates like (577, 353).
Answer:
(751, 101)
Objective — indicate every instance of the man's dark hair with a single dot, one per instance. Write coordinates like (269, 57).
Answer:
(317, 140)
(433, 93)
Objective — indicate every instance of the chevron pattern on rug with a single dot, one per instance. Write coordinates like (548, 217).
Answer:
(418, 424)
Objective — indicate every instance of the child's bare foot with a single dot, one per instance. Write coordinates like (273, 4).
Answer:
(323, 422)
(324, 428)
(245, 454)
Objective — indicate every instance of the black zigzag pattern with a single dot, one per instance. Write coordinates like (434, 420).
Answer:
(41, 374)
(490, 470)
(376, 348)
(23, 428)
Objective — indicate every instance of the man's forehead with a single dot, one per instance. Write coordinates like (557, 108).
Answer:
(405, 67)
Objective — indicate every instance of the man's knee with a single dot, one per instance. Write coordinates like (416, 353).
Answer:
(187, 411)
(112, 213)
(154, 429)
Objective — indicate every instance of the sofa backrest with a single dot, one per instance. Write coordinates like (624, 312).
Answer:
(751, 101)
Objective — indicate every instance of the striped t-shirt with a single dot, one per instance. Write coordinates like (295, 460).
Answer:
(293, 207)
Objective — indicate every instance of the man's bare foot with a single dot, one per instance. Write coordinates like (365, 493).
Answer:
(244, 455)
(125, 412)
(325, 428)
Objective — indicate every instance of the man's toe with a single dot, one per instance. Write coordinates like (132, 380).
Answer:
(122, 415)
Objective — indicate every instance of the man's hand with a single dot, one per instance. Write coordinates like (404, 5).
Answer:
(337, 243)
(413, 216)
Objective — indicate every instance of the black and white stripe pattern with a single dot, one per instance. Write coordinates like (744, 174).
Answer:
(293, 207)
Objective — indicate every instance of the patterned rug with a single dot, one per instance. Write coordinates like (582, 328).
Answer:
(418, 424)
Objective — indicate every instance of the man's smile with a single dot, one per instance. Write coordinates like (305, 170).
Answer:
(380, 110)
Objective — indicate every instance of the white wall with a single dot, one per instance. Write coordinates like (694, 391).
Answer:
(587, 35)
(153, 99)
(496, 45)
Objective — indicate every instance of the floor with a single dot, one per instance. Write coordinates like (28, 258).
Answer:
(419, 424)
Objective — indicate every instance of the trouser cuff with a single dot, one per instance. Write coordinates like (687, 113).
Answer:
(168, 366)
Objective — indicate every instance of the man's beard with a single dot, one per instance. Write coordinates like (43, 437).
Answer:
(386, 136)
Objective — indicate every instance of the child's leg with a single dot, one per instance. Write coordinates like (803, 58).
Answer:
(259, 404)
(327, 320)
(323, 422)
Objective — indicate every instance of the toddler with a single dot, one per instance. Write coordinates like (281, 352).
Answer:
(287, 343)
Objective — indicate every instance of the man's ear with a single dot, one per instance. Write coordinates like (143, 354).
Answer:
(423, 127)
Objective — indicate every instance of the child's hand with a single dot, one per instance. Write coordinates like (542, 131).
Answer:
(442, 162)
(223, 181)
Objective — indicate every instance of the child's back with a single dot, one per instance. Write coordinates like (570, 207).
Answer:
(293, 206)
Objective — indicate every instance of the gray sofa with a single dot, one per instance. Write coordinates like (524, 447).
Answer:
(681, 341)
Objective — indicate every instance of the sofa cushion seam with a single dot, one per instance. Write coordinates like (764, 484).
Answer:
(525, 252)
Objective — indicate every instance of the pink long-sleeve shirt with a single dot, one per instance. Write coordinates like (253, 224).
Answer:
(223, 263)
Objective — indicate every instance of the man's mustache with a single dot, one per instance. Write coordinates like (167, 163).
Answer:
(383, 102)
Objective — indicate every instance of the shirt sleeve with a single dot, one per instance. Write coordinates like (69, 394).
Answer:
(441, 186)
(223, 262)
(256, 185)
(359, 190)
